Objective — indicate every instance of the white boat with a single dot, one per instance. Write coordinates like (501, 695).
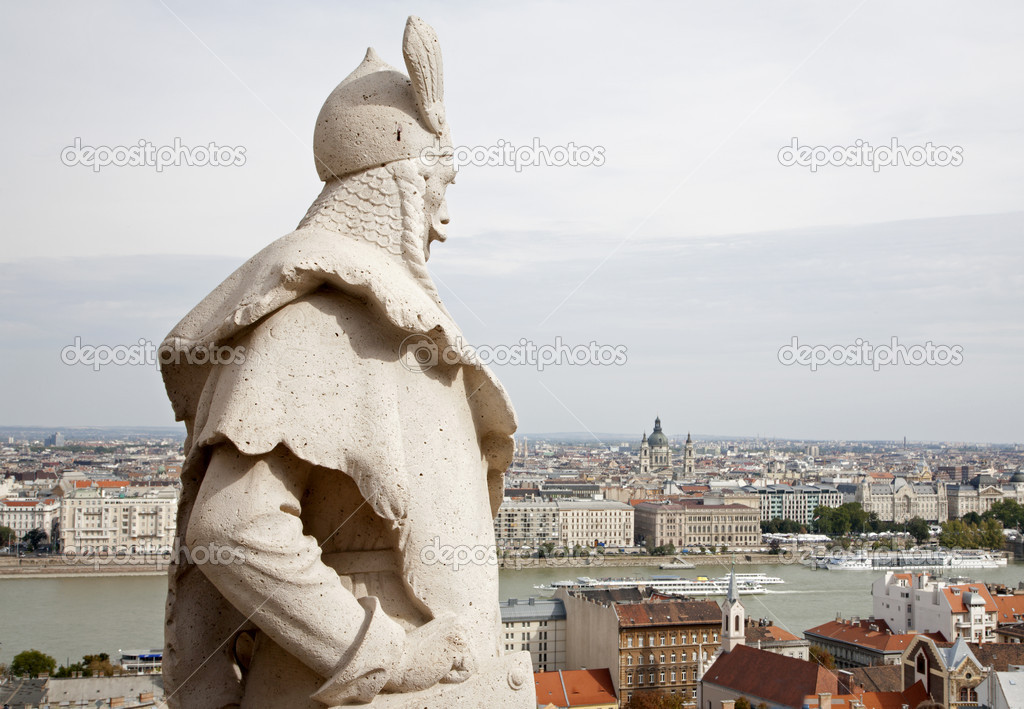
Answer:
(671, 585)
(760, 579)
(884, 559)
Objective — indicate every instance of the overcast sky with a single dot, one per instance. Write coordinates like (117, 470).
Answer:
(691, 246)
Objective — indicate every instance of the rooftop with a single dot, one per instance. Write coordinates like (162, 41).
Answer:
(574, 688)
(654, 613)
(770, 677)
(866, 633)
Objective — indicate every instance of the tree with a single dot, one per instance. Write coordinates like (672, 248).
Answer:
(7, 536)
(991, 534)
(33, 538)
(919, 529)
(741, 703)
(1008, 512)
(971, 518)
(32, 663)
(818, 654)
(653, 699)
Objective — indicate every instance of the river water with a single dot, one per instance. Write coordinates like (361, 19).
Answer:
(71, 617)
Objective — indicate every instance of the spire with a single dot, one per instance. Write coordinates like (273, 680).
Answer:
(688, 439)
(657, 423)
(733, 595)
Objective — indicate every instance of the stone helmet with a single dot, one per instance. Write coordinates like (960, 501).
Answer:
(377, 115)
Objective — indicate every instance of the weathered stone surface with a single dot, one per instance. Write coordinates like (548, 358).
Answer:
(340, 437)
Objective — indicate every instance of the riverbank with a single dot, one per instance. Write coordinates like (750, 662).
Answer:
(610, 560)
(56, 567)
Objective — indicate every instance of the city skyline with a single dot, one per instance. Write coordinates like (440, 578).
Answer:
(696, 243)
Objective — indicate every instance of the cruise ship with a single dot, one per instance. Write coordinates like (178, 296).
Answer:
(912, 559)
(674, 585)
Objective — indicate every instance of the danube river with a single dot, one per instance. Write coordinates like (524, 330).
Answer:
(71, 617)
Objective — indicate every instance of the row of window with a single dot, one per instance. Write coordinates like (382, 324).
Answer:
(671, 637)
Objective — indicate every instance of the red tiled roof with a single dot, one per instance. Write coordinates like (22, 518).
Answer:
(876, 700)
(956, 600)
(583, 687)
(753, 633)
(769, 676)
(635, 615)
(21, 503)
(112, 483)
(867, 633)
(1010, 608)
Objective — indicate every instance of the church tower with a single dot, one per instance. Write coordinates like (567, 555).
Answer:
(645, 455)
(733, 617)
(688, 457)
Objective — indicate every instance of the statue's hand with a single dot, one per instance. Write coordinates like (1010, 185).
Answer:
(435, 652)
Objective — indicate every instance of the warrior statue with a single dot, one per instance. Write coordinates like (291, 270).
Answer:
(335, 454)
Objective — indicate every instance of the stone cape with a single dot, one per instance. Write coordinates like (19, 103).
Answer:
(201, 623)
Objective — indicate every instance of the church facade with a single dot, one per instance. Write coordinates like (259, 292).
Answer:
(656, 453)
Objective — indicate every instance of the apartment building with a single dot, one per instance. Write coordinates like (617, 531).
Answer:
(565, 523)
(689, 523)
(796, 502)
(659, 645)
(919, 603)
(589, 523)
(118, 518)
(538, 626)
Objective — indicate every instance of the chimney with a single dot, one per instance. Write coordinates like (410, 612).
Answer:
(728, 704)
(824, 700)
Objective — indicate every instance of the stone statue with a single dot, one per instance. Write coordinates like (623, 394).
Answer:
(333, 452)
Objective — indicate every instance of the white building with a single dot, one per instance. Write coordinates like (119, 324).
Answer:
(536, 625)
(23, 515)
(526, 523)
(594, 522)
(981, 493)
(917, 603)
(137, 520)
(564, 523)
(902, 500)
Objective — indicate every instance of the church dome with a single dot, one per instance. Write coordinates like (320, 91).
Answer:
(657, 439)
(1018, 477)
